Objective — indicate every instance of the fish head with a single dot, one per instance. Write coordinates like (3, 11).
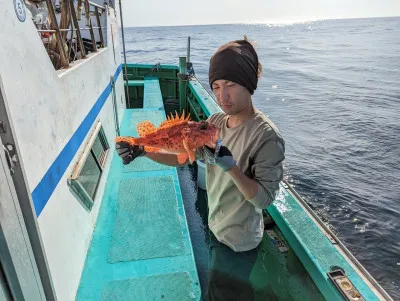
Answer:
(201, 133)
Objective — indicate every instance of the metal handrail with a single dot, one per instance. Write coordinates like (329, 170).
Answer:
(123, 48)
(69, 29)
(97, 5)
(72, 15)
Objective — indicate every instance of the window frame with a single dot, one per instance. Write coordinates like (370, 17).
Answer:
(73, 180)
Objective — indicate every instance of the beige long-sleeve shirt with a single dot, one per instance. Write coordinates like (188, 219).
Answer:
(258, 149)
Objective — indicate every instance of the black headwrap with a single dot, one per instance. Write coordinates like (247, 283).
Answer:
(236, 61)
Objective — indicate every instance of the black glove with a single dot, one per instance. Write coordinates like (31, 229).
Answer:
(224, 158)
(129, 152)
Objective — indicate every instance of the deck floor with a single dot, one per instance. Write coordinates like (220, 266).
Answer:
(141, 248)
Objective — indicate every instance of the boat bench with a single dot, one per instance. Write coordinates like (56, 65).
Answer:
(152, 98)
(134, 83)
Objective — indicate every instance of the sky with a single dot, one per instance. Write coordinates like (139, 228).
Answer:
(180, 12)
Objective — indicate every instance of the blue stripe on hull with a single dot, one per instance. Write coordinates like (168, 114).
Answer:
(43, 191)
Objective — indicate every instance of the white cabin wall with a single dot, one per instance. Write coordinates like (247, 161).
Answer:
(46, 107)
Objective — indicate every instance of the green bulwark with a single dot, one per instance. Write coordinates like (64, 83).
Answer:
(316, 252)
(141, 248)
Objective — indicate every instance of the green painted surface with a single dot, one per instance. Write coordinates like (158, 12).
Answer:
(136, 116)
(193, 112)
(167, 76)
(314, 253)
(207, 103)
(135, 83)
(104, 279)
(142, 207)
(149, 66)
(314, 249)
(152, 94)
(172, 286)
(280, 275)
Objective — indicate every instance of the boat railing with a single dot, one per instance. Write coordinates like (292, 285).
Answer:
(66, 37)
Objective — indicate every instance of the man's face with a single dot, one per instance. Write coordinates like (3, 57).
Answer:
(232, 97)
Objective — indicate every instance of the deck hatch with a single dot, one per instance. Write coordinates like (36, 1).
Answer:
(147, 223)
(172, 286)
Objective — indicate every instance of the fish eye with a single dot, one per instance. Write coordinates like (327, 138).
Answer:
(203, 125)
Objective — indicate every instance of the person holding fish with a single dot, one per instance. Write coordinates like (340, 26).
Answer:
(242, 174)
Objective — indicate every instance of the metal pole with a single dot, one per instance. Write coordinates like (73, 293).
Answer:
(115, 107)
(98, 6)
(65, 19)
(89, 23)
(188, 50)
(76, 24)
(123, 45)
(69, 29)
(99, 25)
(60, 42)
(182, 83)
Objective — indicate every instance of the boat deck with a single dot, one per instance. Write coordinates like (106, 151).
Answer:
(141, 248)
(150, 240)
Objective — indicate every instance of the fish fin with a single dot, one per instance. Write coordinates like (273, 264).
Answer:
(171, 120)
(130, 140)
(183, 116)
(151, 149)
(144, 128)
(189, 152)
(192, 157)
(182, 157)
(186, 145)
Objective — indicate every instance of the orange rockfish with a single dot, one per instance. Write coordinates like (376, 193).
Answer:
(176, 135)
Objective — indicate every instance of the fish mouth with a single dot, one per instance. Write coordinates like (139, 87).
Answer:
(214, 138)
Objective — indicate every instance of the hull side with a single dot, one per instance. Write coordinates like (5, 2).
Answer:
(53, 113)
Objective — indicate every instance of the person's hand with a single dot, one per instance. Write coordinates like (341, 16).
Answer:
(224, 158)
(129, 152)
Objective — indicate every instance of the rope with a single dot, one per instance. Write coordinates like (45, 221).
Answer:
(156, 67)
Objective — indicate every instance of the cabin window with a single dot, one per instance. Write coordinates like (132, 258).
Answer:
(87, 172)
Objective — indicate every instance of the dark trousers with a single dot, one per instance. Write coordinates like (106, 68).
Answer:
(230, 273)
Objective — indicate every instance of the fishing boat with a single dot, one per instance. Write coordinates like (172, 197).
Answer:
(77, 224)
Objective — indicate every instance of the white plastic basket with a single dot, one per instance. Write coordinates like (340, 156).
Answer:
(201, 174)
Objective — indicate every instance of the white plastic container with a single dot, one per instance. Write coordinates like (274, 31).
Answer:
(201, 174)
